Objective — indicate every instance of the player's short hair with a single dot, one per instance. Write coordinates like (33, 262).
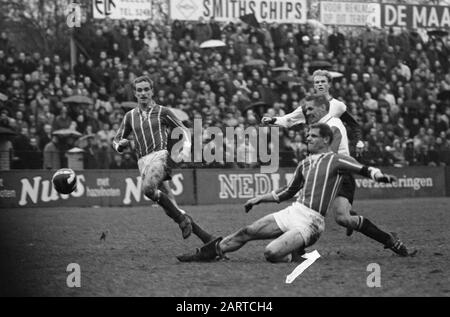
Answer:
(322, 72)
(324, 131)
(141, 79)
(319, 100)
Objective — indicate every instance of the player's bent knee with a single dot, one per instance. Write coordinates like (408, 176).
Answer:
(273, 255)
(151, 192)
(270, 255)
(343, 220)
(341, 203)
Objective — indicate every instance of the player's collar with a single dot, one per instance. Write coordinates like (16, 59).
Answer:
(315, 157)
(325, 118)
(149, 108)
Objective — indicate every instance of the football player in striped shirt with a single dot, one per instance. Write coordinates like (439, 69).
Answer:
(317, 111)
(150, 126)
(336, 111)
(301, 224)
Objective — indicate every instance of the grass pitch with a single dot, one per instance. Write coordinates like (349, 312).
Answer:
(137, 256)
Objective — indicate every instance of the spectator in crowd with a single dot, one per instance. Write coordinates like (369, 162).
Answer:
(104, 153)
(336, 42)
(22, 149)
(202, 31)
(62, 121)
(433, 156)
(117, 162)
(90, 155)
(52, 155)
(20, 123)
(45, 136)
(5, 120)
(443, 149)
(6, 151)
(129, 162)
(177, 31)
(410, 154)
(216, 32)
(151, 40)
(35, 155)
(398, 154)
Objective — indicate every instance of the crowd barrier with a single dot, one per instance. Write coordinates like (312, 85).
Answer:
(33, 188)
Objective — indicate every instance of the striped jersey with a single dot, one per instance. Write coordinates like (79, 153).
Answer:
(320, 177)
(150, 129)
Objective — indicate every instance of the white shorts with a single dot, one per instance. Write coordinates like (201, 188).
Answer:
(156, 165)
(297, 216)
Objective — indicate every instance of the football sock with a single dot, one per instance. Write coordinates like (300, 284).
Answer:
(212, 248)
(202, 234)
(172, 211)
(369, 229)
(177, 215)
(359, 222)
(219, 250)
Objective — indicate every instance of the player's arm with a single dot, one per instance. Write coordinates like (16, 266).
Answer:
(337, 138)
(281, 194)
(120, 141)
(347, 163)
(295, 117)
(354, 126)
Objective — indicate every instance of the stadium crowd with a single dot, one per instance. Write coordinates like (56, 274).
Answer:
(394, 83)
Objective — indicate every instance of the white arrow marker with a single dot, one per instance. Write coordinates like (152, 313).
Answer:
(310, 259)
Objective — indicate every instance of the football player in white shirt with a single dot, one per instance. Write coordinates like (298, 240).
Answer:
(338, 109)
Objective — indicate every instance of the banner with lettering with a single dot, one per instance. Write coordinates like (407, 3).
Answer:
(33, 188)
(122, 9)
(216, 186)
(417, 181)
(350, 13)
(281, 11)
(413, 16)
(236, 186)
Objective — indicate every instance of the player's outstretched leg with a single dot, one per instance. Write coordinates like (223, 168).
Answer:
(390, 241)
(344, 216)
(398, 246)
(208, 252)
(173, 212)
(264, 228)
(196, 229)
(361, 224)
(154, 172)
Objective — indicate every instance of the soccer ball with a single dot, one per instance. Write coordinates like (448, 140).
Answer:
(64, 180)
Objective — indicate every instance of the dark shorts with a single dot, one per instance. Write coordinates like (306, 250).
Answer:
(348, 187)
